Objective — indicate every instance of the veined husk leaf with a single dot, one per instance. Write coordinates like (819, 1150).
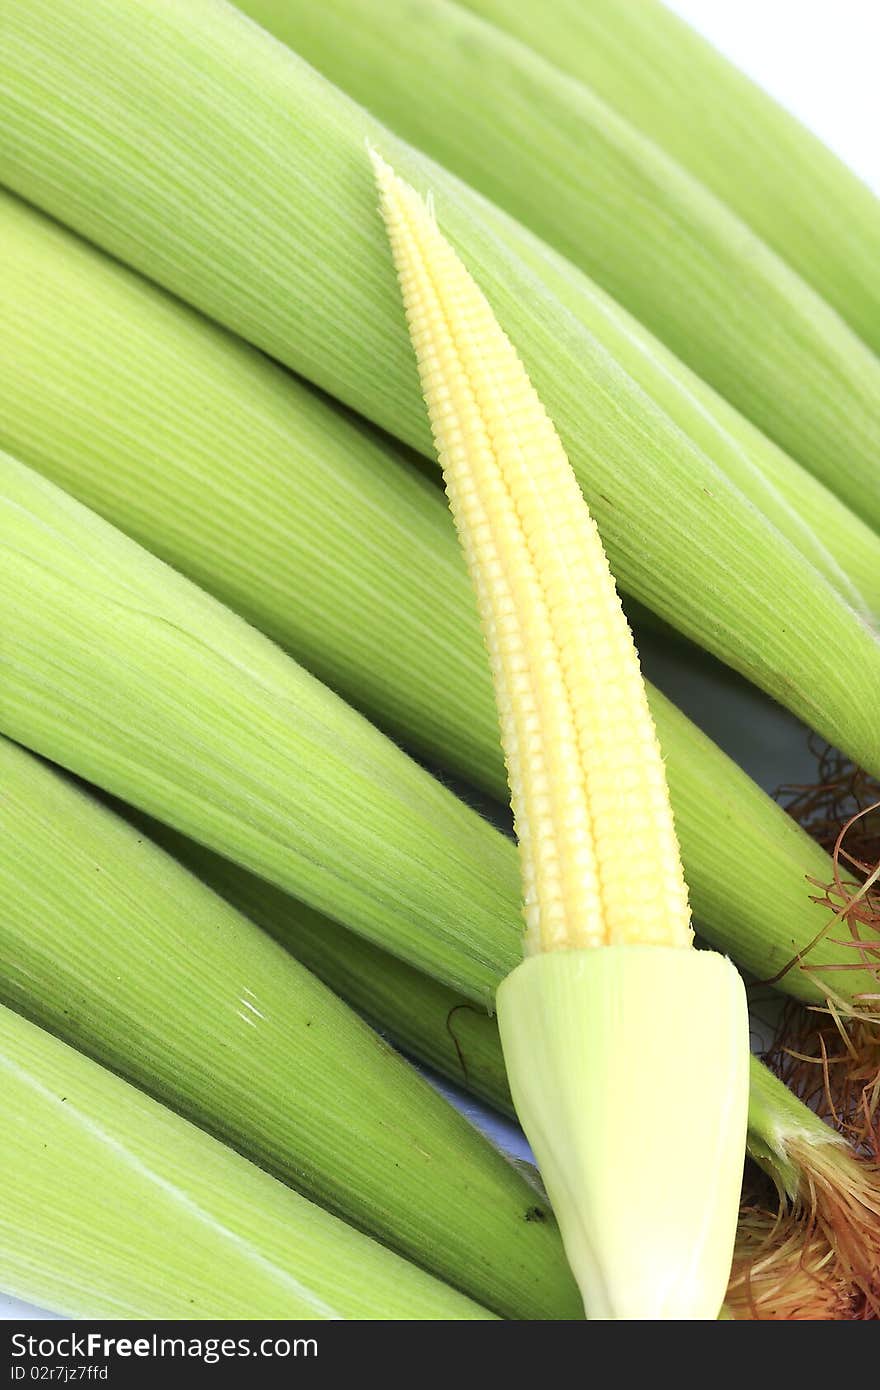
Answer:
(551, 152)
(111, 1191)
(684, 95)
(117, 667)
(428, 1020)
(104, 673)
(325, 542)
(316, 529)
(276, 236)
(830, 1199)
(112, 1206)
(62, 305)
(111, 944)
(321, 536)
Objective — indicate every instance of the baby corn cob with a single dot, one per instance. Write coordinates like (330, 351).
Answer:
(592, 1022)
(582, 755)
(198, 149)
(112, 1206)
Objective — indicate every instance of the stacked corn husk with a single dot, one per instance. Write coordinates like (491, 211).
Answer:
(215, 572)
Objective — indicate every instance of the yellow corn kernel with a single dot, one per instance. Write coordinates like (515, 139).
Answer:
(590, 1037)
(600, 860)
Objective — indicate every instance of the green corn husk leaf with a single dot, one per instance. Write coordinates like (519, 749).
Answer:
(115, 948)
(671, 84)
(803, 510)
(818, 1179)
(62, 304)
(329, 544)
(105, 675)
(202, 151)
(443, 1029)
(112, 1206)
(551, 152)
(316, 530)
(431, 1022)
(98, 944)
(121, 670)
(118, 685)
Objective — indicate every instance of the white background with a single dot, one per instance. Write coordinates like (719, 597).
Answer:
(820, 59)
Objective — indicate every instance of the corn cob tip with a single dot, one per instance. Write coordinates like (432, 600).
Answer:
(387, 181)
(381, 168)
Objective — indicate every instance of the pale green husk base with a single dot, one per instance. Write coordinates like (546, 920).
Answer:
(629, 1069)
